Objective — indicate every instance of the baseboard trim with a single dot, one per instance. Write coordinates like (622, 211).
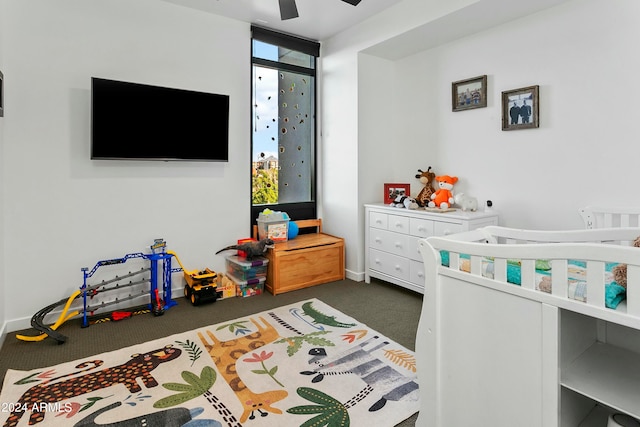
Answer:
(352, 275)
(3, 333)
(19, 324)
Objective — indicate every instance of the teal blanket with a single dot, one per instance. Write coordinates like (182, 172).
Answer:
(614, 293)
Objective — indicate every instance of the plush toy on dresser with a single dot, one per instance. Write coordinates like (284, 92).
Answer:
(443, 197)
(620, 270)
(426, 178)
(402, 201)
(466, 203)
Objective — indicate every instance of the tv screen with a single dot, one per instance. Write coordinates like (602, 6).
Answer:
(142, 122)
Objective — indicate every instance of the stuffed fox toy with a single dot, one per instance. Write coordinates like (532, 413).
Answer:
(443, 197)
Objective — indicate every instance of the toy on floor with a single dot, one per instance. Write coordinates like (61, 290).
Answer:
(38, 318)
(443, 197)
(158, 309)
(252, 249)
(426, 178)
(620, 270)
(146, 286)
(201, 286)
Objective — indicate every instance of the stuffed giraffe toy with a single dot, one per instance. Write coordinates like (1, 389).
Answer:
(426, 178)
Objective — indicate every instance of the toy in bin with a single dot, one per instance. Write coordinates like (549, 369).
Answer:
(202, 285)
(273, 225)
(243, 269)
(249, 287)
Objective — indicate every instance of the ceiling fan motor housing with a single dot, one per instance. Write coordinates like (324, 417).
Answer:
(289, 10)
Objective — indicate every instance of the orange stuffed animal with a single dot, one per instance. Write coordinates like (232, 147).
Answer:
(443, 197)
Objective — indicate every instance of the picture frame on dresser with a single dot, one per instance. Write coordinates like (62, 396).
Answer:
(393, 190)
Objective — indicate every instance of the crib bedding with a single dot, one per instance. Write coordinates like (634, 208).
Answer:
(576, 274)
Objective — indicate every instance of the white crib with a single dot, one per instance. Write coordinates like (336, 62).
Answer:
(493, 353)
(608, 217)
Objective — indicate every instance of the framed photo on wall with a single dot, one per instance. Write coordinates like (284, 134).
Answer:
(469, 94)
(393, 190)
(1, 94)
(520, 108)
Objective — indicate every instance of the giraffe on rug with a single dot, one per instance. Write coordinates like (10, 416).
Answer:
(225, 354)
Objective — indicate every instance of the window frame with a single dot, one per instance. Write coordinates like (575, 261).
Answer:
(297, 210)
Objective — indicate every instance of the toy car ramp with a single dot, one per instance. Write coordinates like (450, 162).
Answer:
(37, 321)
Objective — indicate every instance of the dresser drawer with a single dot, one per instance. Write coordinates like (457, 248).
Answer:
(398, 223)
(393, 236)
(416, 273)
(378, 220)
(390, 264)
(446, 228)
(387, 241)
(414, 248)
(421, 227)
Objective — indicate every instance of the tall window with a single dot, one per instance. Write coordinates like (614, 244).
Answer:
(283, 124)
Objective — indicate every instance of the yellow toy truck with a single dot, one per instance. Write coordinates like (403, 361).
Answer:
(201, 286)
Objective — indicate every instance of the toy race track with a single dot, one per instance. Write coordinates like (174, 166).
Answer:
(159, 299)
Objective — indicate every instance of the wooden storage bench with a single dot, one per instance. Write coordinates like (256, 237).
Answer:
(307, 260)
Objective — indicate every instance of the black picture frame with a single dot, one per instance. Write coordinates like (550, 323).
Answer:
(1, 94)
(469, 94)
(514, 102)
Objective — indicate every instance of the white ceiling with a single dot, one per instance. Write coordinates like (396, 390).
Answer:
(318, 20)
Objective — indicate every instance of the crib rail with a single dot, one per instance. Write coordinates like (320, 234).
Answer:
(469, 252)
(609, 217)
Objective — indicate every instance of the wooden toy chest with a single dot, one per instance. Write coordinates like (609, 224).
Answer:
(307, 260)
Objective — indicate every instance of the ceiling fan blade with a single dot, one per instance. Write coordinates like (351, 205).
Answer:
(352, 2)
(288, 9)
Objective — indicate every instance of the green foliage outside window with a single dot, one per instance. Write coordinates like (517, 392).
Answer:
(265, 187)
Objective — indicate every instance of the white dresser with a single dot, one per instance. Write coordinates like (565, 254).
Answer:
(392, 234)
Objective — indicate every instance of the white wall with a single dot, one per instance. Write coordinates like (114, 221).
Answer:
(63, 211)
(2, 184)
(584, 151)
(581, 55)
(354, 146)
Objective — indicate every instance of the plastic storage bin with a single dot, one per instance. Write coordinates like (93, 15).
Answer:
(244, 269)
(274, 226)
(250, 287)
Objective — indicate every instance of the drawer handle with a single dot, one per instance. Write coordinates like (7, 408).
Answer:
(378, 240)
(420, 274)
(398, 245)
(421, 228)
(397, 268)
(377, 261)
(446, 232)
(398, 225)
(378, 221)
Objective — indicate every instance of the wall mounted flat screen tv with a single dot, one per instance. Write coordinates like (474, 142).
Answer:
(133, 121)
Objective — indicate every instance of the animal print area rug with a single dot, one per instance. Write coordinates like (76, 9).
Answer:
(305, 364)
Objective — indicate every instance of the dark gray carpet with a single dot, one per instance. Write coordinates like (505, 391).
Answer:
(389, 309)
